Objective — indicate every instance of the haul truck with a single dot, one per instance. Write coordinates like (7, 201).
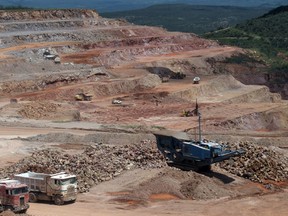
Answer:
(14, 196)
(59, 187)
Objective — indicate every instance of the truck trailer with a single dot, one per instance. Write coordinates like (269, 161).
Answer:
(14, 196)
(59, 187)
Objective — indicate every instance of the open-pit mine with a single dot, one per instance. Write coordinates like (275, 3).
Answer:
(85, 94)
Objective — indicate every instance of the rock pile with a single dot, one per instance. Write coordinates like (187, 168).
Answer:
(258, 163)
(99, 163)
(38, 110)
(96, 164)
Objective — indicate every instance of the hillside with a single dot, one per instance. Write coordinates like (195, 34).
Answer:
(267, 36)
(267, 32)
(121, 5)
(189, 18)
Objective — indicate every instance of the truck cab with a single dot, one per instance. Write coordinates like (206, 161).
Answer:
(13, 196)
(66, 185)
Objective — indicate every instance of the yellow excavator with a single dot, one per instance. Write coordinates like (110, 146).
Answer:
(83, 97)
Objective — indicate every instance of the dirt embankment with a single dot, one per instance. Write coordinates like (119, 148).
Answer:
(250, 71)
(37, 15)
(270, 120)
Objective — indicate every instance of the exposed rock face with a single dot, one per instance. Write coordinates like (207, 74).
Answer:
(277, 82)
(253, 73)
(47, 14)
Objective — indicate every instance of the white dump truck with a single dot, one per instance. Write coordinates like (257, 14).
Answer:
(59, 187)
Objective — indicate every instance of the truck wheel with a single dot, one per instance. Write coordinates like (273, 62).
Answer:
(23, 211)
(9, 208)
(33, 198)
(58, 200)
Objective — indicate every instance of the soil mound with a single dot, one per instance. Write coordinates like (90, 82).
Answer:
(40, 110)
(113, 138)
(127, 86)
(271, 120)
(48, 110)
(184, 185)
(225, 88)
(170, 183)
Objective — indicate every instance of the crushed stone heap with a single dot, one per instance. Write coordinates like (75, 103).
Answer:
(258, 164)
(100, 163)
(96, 164)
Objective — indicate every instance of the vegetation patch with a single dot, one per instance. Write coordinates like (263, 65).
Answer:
(242, 59)
(266, 35)
(188, 18)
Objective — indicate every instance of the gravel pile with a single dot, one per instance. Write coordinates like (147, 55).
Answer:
(258, 163)
(99, 163)
(96, 164)
(38, 110)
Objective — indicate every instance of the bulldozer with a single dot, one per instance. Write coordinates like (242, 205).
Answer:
(188, 113)
(83, 97)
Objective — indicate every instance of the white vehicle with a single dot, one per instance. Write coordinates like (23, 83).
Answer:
(115, 101)
(196, 80)
(58, 187)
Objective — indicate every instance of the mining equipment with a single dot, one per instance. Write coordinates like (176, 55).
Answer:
(14, 196)
(83, 97)
(58, 187)
(186, 154)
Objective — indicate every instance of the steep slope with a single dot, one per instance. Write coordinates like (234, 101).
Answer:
(266, 33)
(112, 59)
(267, 36)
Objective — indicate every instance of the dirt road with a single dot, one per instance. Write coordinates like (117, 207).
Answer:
(269, 205)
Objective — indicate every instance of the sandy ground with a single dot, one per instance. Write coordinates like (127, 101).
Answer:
(101, 199)
(269, 205)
